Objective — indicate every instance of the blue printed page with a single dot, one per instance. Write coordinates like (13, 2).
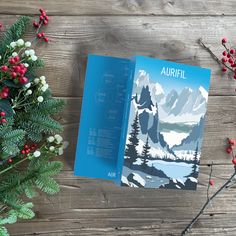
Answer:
(166, 124)
(102, 116)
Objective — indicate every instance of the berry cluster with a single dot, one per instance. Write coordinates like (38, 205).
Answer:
(3, 119)
(229, 58)
(43, 20)
(4, 92)
(28, 148)
(229, 149)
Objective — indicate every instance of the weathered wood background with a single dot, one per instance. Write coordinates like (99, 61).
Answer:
(166, 29)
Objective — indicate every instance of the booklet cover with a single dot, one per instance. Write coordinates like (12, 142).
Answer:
(142, 122)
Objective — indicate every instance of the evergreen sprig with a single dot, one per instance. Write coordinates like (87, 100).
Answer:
(28, 128)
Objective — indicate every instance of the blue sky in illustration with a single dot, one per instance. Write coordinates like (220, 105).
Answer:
(195, 76)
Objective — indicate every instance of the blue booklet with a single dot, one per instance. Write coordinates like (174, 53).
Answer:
(142, 122)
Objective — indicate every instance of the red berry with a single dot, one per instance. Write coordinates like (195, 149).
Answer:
(46, 18)
(224, 59)
(45, 22)
(232, 51)
(23, 71)
(211, 182)
(16, 59)
(228, 55)
(229, 150)
(36, 24)
(10, 161)
(232, 142)
(1, 25)
(41, 18)
(13, 74)
(6, 89)
(2, 113)
(46, 40)
(231, 61)
(41, 10)
(39, 35)
(4, 68)
(33, 146)
(224, 40)
(4, 95)
(23, 80)
(234, 161)
(43, 13)
(224, 53)
(43, 34)
(12, 61)
(224, 69)
(22, 151)
(26, 146)
(3, 120)
(27, 151)
(21, 65)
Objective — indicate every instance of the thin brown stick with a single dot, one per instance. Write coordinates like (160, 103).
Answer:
(224, 186)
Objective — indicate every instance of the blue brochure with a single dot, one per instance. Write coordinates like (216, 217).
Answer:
(142, 122)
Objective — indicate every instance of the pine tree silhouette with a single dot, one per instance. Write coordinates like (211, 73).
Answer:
(131, 151)
(195, 161)
(145, 154)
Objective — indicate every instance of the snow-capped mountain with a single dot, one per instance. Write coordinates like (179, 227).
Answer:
(187, 106)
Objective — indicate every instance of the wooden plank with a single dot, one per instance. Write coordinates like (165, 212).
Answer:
(220, 123)
(72, 38)
(121, 7)
(89, 206)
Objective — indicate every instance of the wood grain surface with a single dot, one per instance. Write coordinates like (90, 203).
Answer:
(166, 29)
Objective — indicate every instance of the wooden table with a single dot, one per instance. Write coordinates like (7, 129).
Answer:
(166, 29)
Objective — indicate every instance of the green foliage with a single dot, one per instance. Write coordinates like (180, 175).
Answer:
(15, 32)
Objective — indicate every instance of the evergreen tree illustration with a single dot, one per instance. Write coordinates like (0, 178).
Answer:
(195, 161)
(145, 153)
(131, 148)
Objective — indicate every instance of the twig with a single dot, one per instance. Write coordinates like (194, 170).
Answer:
(213, 55)
(224, 186)
(208, 187)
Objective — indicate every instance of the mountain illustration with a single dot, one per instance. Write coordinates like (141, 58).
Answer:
(194, 137)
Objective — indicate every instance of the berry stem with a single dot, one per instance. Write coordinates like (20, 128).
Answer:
(223, 187)
(210, 175)
(213, 55)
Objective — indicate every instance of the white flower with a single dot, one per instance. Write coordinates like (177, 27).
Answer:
(13, 44)
(58, 138)
(44, 88)
(36, 80)
(26, 65)
(0, 57)
(40, 99)
(27, 44)
(60, 151)
(34, 58)
(51, 148)
(27, 53)
(29, 92)
(28, 85)
(20, 42)
(42, 78)
(37, 153)
(65, 144)
(50, 139)
(31, 52)
(14, 54)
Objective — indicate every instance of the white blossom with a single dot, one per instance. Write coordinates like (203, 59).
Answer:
(37, 153)
(51, 148)
(36, 80)
(0, 57)
(40, 99)
(58, 138)
(27, 44)
(20, 42)
(26, 65)
(31, 52)
(34, 58)
(45, 87)
(28, 85)
(50, 139)
(13, 44)
(27, 52)
(14, 54)
(29, 92)
(60, 151)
